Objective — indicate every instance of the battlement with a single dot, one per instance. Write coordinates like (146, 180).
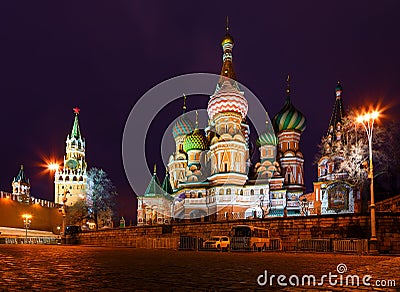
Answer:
(32, 200)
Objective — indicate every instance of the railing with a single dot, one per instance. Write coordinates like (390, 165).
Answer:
(29, 240)
(190, 243)
(319, 245)
(359, 246)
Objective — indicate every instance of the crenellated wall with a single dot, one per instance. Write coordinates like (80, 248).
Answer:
(288, 229)
(43, 217)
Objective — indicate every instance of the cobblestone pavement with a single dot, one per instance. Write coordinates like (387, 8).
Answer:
(84, 268)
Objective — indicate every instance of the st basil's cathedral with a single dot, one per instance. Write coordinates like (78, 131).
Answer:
(210, 177)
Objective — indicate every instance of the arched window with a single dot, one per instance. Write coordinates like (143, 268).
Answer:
(228, 191)
(252, 192)
(261, 192)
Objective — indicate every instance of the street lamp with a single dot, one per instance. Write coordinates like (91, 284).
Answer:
(54, 167)
(367, 120)
(27, 223)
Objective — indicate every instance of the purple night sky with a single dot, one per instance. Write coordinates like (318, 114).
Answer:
(102, 56)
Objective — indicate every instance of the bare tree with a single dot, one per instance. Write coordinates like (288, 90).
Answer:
(101, 195)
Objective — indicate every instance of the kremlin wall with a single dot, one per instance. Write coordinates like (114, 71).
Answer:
(45, 214)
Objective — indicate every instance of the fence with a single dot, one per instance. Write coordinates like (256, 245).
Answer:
(318, 245)
(155, 243)
(29, 240)
(358, 246)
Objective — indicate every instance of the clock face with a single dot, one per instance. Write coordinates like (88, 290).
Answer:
(72, 163)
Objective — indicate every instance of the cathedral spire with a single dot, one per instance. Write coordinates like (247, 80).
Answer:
(184, 103)
(76, 132)
(227, 70)
(337, 113)
(288, 87)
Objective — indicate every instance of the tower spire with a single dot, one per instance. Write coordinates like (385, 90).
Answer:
(288, 86)
(184, 103)
(227, 70)
(337, 112)
(76, 133)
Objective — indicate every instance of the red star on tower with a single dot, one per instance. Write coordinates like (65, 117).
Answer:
(76, 110)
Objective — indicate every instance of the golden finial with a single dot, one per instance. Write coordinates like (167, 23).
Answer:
(227, 24)
(288, 84)
(184, 102)
(197, 119)
(155, 169)
(266, 120)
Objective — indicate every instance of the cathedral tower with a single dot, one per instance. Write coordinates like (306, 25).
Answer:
(289, 124)
(227, 110)
(70, 181)
(178, 160)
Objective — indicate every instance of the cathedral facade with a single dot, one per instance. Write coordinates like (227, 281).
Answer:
(70, 180)
(333, 192)
(210, 175)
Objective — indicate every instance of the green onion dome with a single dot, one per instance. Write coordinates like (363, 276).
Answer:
(289, 118)
(267, 138)
(182, 127)
(195, 141)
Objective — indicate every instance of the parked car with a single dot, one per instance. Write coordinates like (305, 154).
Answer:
(218, 243)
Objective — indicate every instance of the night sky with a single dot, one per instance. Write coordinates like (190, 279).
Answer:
(102, 56)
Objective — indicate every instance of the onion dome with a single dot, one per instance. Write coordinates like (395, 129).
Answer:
(227, 39)
(195, 141)
(227, 99)
(182, 127)
(289, 118)
(267, 138)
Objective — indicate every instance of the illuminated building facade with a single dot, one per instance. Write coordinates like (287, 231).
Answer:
(207, 176)
(70, 180)
(333, 193)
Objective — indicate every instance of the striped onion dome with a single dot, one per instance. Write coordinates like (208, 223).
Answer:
(227, 99)
(195, 141)
(183, 126)
(289, 118)
(267, 138)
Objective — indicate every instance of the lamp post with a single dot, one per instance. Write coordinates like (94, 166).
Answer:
(54, 167)
(367, 120)
(27, 223)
